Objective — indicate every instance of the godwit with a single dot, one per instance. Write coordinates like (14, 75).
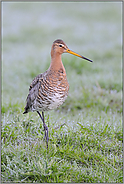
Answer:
(50, 89)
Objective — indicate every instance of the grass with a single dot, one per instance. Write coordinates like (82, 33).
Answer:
(82, 153)
(85, 133)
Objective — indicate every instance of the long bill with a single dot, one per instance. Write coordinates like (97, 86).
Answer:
(74, 53)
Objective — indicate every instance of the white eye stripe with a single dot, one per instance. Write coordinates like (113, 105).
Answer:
(61, 45)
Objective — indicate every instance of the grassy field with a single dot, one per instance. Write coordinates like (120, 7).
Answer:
(86, 131)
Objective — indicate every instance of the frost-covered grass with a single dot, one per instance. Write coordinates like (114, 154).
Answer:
(86, 131)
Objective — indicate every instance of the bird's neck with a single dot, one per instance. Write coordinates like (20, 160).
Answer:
(56, 63)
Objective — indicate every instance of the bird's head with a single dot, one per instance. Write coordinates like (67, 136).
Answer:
(59, 47)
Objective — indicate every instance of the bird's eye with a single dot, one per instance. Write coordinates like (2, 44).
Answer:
(60, 45)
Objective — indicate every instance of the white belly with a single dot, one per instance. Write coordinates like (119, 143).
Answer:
(57, 100)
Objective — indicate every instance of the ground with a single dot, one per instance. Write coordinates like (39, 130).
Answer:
(86, 131)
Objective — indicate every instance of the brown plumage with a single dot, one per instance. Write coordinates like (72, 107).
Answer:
(50, 89)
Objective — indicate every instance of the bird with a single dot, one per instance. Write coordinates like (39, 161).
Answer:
(50, 89)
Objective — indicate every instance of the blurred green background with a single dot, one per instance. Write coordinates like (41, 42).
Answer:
(92, 29)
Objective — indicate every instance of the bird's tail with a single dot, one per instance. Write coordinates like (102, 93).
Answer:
(25, 112)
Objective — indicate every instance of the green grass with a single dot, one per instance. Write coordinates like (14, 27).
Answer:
(86, 136)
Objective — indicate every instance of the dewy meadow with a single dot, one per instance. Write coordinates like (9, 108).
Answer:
(85, 133)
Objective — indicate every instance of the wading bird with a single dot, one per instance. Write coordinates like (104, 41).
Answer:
(49, 90)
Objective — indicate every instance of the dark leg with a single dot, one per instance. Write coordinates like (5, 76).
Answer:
(45, 127)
